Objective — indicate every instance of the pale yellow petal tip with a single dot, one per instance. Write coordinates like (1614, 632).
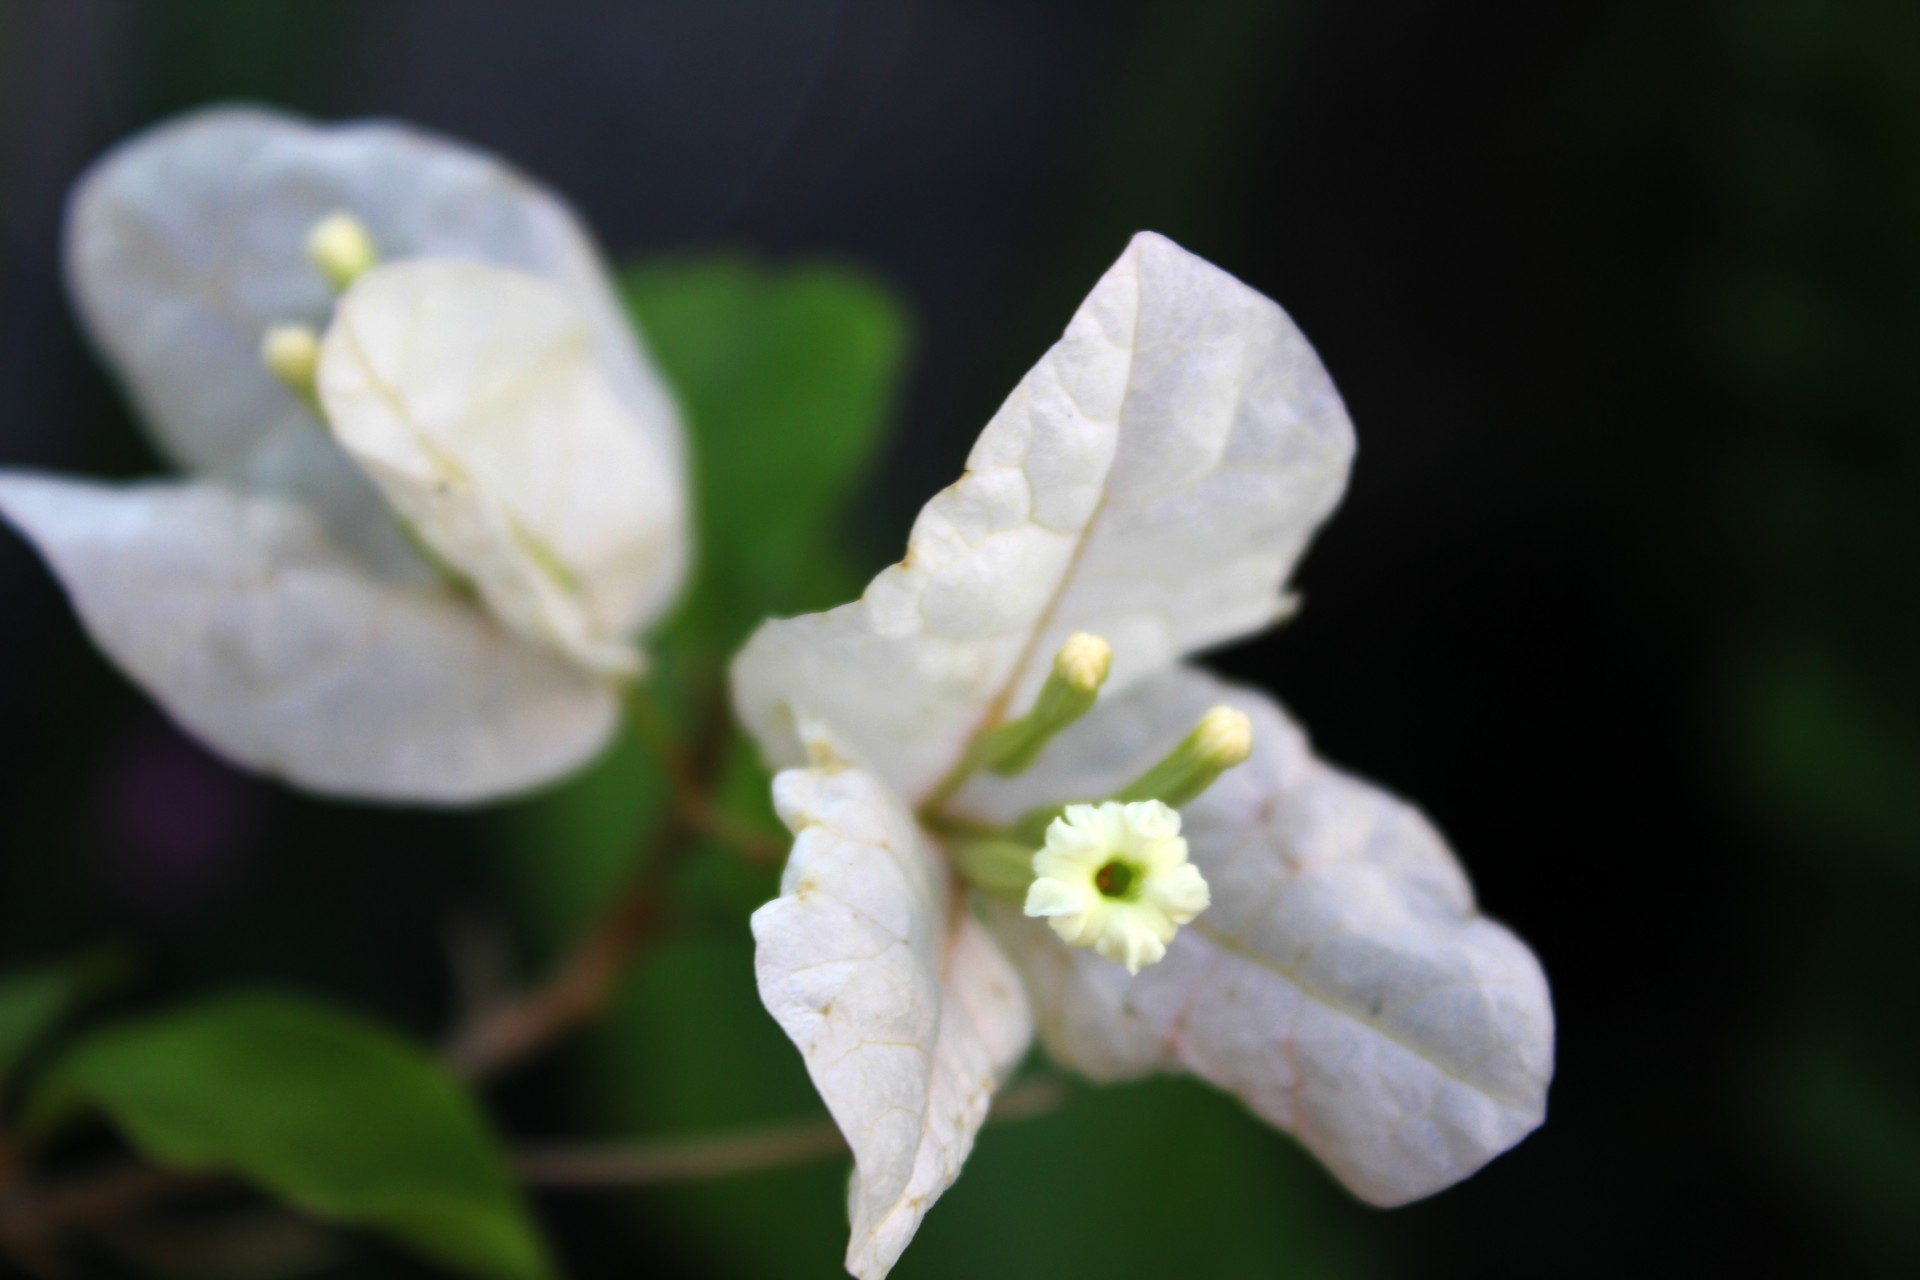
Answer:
(1223, 738)
(1084, 661)
(291, 353)
(1115, 878)
(342, 247)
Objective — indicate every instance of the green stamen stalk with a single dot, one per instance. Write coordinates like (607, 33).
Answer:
(1000, 868)
(1222, 739)
(1072, 687)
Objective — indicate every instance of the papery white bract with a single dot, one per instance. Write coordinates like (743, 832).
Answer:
(1152, 481)
(276, 603)
(265, 638)
(907, 1012)
(472, 396)
(1343, 983)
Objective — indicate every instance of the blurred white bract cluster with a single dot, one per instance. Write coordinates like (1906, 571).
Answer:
(434, 488)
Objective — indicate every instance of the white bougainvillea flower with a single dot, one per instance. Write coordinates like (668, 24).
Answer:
(434, 488)
(1313, 946)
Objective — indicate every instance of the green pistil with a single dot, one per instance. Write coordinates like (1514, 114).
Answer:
(1118, 880)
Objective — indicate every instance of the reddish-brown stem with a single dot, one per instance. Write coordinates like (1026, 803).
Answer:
(501, 1035)
(505, 1034)
(695, 1159)
(33, 1220)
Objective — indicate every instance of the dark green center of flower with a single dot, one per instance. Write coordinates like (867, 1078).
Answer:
(1117, 879)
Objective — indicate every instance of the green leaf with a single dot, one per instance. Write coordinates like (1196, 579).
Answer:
(338, 1116)
(1828, 749)
(1845, 1133)
(786, 376)
(33, 1001)
(570, 848)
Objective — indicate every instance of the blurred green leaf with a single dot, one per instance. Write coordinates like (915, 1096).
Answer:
(1828, 750)
(1847, 1134)
(338, 1116)
(569, 848)
(1231, 1199)
(786, 375)
(33, 1001)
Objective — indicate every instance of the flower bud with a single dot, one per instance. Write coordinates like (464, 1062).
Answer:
(342, 247)
(1223, 738)
(291, 353)
(1083, 662)
(1072, 687)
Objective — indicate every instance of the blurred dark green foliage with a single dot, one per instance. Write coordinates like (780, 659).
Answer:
(788, 380)
(1809, 305)
(32, 1004)
(1624, 296)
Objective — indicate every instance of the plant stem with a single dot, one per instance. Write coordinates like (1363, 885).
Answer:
(499, 1035)
(691, 780)
(696, 1159)
(650, 724)
(502, 1035)
(33, 1220)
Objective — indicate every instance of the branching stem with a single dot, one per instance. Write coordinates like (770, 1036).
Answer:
(696, 1159)
(503, 1034)
(34, 1219)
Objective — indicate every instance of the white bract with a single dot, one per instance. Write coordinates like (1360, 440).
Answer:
(434, 488)
(1152, 482)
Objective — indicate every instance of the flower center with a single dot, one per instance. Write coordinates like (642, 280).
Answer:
(1117, 879)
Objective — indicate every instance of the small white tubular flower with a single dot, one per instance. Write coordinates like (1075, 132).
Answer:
(1083, 662)
(1224, 736)
(274, 598)
(291, 353)
(342, 247)
(1115, 877)
(1152, 481)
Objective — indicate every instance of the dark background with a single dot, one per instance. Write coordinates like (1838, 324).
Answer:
(1625, 301)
